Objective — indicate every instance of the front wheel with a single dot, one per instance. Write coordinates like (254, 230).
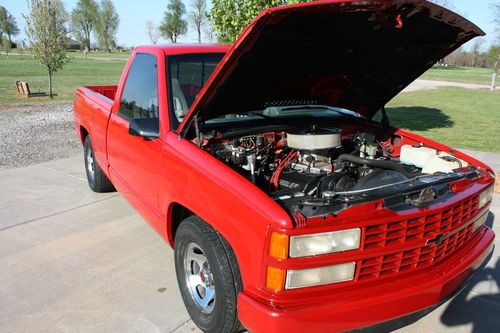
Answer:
(208, 276)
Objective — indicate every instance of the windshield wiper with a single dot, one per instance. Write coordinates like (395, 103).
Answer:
(265, 116)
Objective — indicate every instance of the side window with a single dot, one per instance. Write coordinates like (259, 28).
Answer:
(140, 94)
(187, 75)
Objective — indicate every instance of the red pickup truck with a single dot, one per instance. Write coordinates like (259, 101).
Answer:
(290, 209)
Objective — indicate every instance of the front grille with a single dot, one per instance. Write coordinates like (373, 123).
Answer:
(425, 227)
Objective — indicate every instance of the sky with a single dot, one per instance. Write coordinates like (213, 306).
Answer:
(134, 14)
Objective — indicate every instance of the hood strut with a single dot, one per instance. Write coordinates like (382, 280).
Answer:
(199, 138)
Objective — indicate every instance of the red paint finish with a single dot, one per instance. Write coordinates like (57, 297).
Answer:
(361, 307)
(185, 174)
(156, 175)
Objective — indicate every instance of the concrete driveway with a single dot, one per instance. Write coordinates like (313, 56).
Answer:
(421, 84)
(73, 260)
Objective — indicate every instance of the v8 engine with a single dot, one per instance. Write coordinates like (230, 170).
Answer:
(318, 167)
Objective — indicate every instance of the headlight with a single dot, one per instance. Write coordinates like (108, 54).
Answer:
(485, 196)
(319, 276)
(323, 243)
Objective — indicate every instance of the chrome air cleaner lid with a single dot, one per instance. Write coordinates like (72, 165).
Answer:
(314, 138)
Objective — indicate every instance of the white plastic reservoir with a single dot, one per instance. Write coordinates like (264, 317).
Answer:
(416, 156)
(443, 163)
(429, 159)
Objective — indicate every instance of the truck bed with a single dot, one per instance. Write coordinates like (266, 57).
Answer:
(92, 109)
(107, 91)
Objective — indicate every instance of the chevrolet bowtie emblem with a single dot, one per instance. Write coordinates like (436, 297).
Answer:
(437, 240)
(425, 196)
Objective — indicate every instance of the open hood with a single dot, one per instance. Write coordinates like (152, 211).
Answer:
(356, 55)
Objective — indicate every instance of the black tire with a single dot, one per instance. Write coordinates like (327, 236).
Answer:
(222, 267)
(98, 181)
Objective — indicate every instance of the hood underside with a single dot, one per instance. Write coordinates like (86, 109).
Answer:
(354, 55)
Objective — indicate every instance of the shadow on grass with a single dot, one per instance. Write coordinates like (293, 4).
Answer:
(418, 118)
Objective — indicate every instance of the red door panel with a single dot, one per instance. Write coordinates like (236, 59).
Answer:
(134, 167)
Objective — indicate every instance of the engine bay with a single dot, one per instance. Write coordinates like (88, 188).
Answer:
(318, 170)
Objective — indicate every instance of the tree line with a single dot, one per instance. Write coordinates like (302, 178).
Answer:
(101, 19)
(87, 18)
(474, 57)
(226, 19)
(176, 22)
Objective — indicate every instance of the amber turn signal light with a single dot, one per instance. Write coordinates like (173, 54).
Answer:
(275, 278)
(278, 248)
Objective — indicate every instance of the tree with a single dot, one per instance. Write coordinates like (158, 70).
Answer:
(174, 24)
(61, 12)
(494, 52)
(153, 32)
(475, 49)
(496, 21)
(3, 13)
(3, 18)
(231, 17)
(8, 24)
(6, 45)
(108, 25)
(84, 19)
(46, 32)
(198, 16)
(208, 30)
(494, 55)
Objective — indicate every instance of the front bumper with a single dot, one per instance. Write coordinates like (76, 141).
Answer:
(384, 302)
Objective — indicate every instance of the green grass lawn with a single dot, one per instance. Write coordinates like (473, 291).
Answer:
(100, 54)
(458, 117)
(459, 74)
(461, 118)
(79, 54)
(75, 73)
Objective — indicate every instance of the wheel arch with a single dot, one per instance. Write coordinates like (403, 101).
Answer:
(83, 133)
(177, 213)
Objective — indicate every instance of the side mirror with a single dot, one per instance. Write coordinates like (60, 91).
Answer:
(146, 128)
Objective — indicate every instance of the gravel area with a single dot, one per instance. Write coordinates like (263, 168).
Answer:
(35, 133)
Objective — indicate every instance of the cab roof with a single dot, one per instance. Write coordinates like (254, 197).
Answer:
(172, 49)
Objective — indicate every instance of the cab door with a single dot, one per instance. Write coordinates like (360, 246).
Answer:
(134, 160)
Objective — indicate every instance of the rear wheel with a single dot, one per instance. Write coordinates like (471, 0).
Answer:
(98, 181)
(208, 276)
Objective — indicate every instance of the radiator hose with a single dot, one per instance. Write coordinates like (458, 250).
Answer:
(382, 164)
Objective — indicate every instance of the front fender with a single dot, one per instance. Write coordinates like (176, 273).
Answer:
(231, 204)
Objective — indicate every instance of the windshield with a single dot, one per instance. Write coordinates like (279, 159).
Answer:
(187, 74)
(287, 112)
